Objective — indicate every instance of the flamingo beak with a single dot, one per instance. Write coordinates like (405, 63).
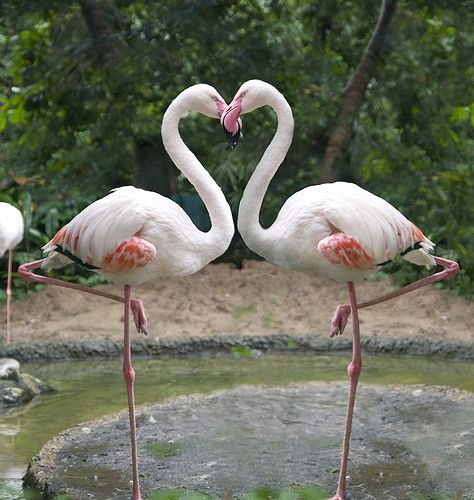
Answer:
(231, 122)
(221, 107)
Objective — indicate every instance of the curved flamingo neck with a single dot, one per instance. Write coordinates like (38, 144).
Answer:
(254, 235)
(222, 225)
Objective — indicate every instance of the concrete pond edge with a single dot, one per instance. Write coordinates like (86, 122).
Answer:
(244, 345)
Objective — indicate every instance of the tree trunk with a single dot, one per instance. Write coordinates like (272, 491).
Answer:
(103, 21)
(354, 94)
(154, 170)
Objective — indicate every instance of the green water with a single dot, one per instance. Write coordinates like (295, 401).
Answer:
(88, 389)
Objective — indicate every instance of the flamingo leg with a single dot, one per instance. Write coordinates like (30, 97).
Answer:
(26, 272)
(129, 376)
(9, 293)
(343, 311)
(353, 371)
(134, 305)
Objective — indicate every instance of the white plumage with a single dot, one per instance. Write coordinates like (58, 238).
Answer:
(11, 227)
(181, 248)
(166, 241)
(11, 233)
(314, 213)
(338, 230)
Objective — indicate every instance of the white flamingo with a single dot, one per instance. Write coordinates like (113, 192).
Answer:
(337, 230)
(132, 236)
(11, 233)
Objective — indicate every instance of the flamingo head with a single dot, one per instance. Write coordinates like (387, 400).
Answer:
(250, 96)
(206, 100)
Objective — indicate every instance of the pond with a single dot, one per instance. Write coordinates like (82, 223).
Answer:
(88, 389)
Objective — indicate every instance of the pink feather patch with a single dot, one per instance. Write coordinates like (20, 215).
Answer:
(344, 250)
(131, 254)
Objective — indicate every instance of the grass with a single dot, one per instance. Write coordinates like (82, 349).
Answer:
(269, 321)
(163, 450)
(241, 350)
(243, 310)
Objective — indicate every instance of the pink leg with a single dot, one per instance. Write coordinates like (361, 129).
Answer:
(136, 306)
(9, 293)
(25, 271)
(129, 376)
(343, 311)
(353, 370)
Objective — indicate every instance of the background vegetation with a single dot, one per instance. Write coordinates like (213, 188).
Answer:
(85, 84)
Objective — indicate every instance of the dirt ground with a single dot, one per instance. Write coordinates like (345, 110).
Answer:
(260, 299)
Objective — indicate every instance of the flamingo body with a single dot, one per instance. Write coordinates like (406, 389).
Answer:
(11, 233)
(11, 227)
(340, 231)
(131, 236)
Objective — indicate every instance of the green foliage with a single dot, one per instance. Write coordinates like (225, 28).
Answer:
(415, 140)
(241, 350)
(76, 108)
(291, 345)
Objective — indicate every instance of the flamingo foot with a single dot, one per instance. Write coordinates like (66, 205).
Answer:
(338, 497)
(139, 317)
(339, 320)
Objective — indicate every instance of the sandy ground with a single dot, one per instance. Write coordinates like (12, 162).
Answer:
(259, 299)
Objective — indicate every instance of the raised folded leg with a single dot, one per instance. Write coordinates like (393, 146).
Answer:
(343, 311)
(136, 305)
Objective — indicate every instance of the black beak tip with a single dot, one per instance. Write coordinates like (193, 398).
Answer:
(233, 138)
(234, 141)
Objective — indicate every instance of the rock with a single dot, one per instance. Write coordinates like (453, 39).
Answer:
(150, 346)
(405, 444)
(33, 385)
(12, 395)
(18, 388)
(9, 368)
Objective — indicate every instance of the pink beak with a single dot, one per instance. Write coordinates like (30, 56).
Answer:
(231, 122)
(221, 107)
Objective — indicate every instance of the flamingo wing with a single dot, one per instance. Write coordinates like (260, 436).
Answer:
(130, 255)
(105, 235)
(357, 229)
(371, 222)
(340, 248)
